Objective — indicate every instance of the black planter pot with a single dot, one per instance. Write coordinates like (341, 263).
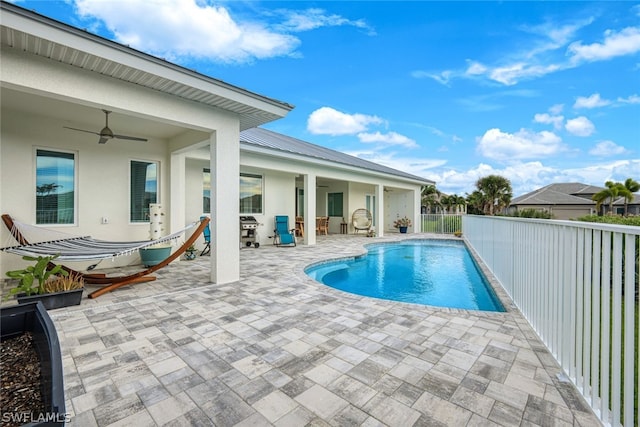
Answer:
(32, 317)
(54, 300)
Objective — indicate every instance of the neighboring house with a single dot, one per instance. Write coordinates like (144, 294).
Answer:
(568, 201)
(204, 151)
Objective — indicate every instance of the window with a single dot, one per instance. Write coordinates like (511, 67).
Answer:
(334, 204)
(206, 191)
(250, 194)
(144, 189)
(55, 187)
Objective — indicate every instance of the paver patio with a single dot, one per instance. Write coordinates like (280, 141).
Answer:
(277, 348)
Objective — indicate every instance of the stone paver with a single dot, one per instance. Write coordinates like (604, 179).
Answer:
(279, 349)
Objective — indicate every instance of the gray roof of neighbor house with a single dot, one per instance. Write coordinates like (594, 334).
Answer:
(36, 34)
(572, 193)
(276, 141)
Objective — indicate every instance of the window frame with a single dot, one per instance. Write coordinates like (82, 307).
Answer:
(252, 175)
(331, 203)
(158, 198)
(205, 171)
(75, 155)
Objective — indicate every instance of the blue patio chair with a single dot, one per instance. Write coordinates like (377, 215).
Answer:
(207, 239)
(283, 234)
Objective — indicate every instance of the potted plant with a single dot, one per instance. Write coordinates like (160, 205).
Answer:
(190, 253)
(458, 233)
(28, 334)
(402, 224)
(55, 287)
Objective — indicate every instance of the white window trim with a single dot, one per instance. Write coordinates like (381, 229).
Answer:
(158, 187)
(76, 184)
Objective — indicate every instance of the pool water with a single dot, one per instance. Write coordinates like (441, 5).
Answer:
(431, 272)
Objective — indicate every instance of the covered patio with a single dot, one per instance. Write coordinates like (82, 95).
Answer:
(277, 348)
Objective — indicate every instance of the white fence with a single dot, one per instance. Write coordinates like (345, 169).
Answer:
(577, 285)
(440, 223)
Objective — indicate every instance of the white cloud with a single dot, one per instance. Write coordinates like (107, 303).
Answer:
(556, 109)
(390, 138)
(547, 119)
(592, 101)
(624, 42)
(607, 148)
(313, 18)
(633, 99)
(524, 144)
(511, 74)
(176, 28)
(327, 121)
(529, 176)
(413, 165)
(580, 126)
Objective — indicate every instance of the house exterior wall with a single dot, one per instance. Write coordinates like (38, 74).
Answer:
(102, 169)
(355, 184)
(102, 178)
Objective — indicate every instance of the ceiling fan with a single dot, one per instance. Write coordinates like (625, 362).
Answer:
(106, 134)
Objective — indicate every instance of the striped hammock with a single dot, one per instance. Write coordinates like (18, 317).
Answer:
(85, 248)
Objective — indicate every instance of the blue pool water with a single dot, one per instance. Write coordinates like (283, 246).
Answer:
(430, 272)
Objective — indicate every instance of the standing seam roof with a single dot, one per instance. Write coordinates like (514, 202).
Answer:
(276, 141)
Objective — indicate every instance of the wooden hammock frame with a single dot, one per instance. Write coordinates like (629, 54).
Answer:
(110, 283)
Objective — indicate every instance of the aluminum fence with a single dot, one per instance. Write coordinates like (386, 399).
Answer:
(577, 285)
(441, 223)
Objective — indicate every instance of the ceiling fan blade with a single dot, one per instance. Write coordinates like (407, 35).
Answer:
(81, 130)
(130, 138)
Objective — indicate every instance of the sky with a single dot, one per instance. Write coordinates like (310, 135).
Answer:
(538, 92)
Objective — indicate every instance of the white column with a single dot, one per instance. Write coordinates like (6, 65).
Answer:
(225, 204)
(415, 221)
(177, 187)
(310, 209)
(379, 210)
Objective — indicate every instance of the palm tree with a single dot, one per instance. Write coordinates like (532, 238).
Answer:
(611, 192)
(496, 191)
(447, 202)
(477, 203)
(631, 186)
(430, 196)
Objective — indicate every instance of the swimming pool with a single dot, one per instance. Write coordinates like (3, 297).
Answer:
(430, 272)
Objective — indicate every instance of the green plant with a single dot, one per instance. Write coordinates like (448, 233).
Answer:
(191, 248)
(402, 222)
(40, 272)
(457, 233)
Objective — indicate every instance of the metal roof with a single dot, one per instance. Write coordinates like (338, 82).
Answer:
(36, 34)
(264, 138)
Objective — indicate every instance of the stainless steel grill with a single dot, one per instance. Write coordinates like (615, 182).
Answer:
(249, 231)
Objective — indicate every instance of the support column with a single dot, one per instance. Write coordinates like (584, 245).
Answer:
(417, 218)
(309, 209)
(177, 197)
(379, 210)
(225, 204)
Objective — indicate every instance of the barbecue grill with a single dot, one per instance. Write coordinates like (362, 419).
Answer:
(249, 231)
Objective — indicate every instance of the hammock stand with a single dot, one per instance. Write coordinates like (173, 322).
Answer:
(113, 282)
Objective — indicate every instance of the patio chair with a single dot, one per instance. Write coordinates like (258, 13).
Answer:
(361, 220)
(283, 234)
(322, 225)
(206, 233)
